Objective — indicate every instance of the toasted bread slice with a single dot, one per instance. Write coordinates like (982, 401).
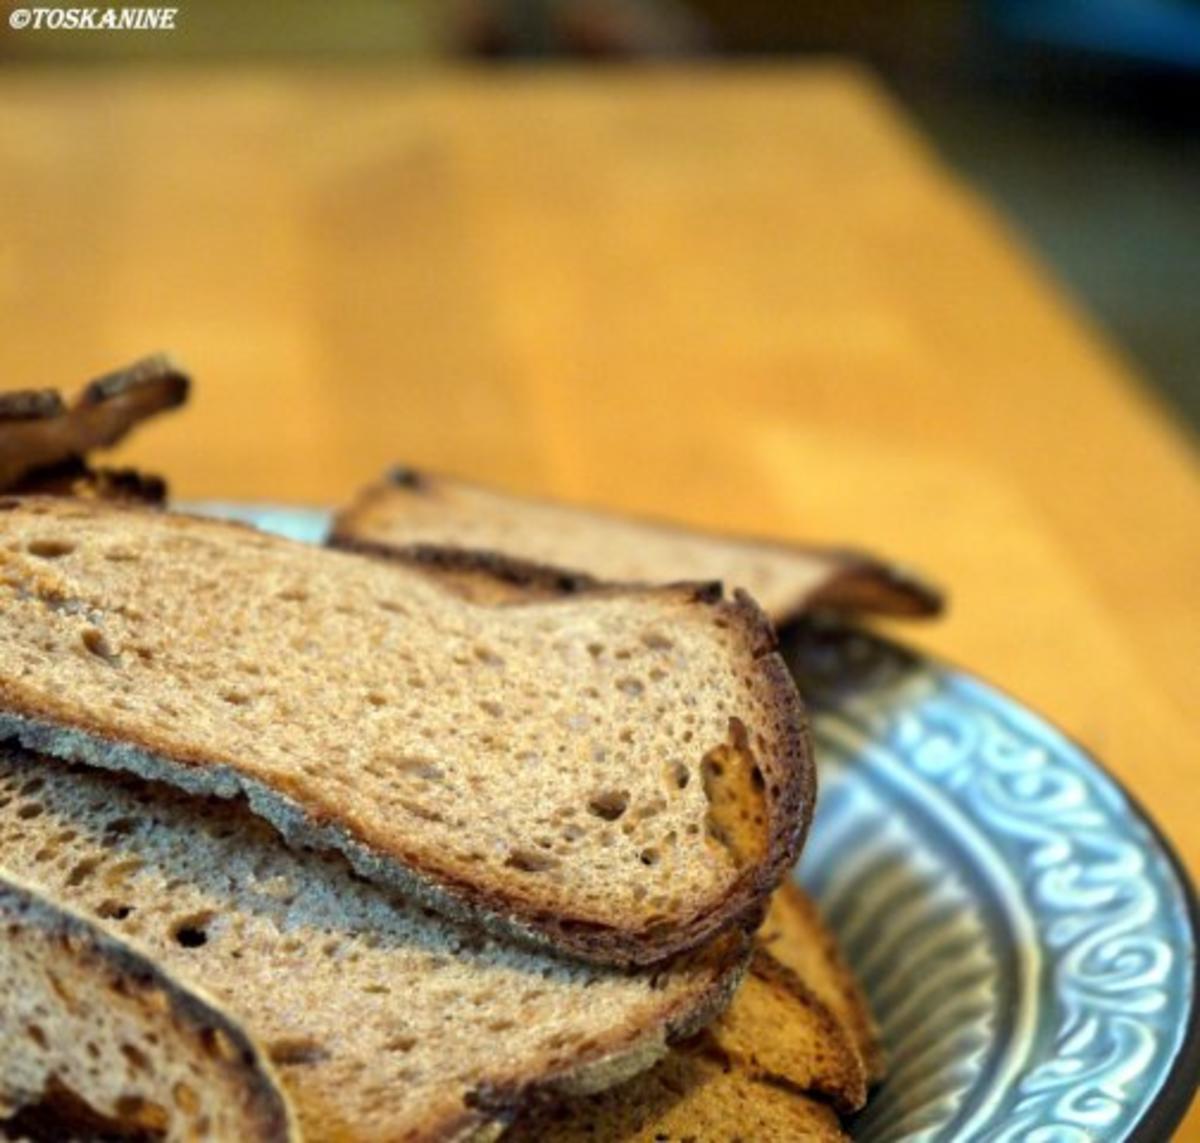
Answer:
(690, 1097)
(38, 429)
(777, 1029)
(758, 1071)
(97, 1041)
(411, 509)
(795, 935)
(619, 773)
(384, 1021)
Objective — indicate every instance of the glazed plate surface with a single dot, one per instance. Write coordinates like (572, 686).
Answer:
(1026, 936)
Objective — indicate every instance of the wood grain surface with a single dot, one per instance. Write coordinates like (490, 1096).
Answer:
(753, 299)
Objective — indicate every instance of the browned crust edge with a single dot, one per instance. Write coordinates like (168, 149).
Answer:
(533, 580)
(863, 1028)
(613, 1063)
(250, 1068)
(61, 731)
(22, 405)
(858, 580)
(774, 972)
(707, 1045)
(75, 477)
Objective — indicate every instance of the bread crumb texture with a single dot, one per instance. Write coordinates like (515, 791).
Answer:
(384, 1021)
(96, 1043)
(618, 760)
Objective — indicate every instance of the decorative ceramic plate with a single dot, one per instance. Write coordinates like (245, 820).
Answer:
(1027, 938)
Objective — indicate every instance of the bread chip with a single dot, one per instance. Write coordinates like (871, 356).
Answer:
(795, 935)
(416, 510)
(776, 1065)
(39, 430)
(690, 1097)
(97, 1041)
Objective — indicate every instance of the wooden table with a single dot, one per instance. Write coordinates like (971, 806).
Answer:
(752, 299)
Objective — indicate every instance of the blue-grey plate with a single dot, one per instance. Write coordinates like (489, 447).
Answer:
(1026, 936)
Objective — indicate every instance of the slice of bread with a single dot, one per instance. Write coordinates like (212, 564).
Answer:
(411, 509)
(96, 1041)
(621, 773)
(690, 1097)
(758, 1071)
(384, 1021)
(778, 1030)
(795, 935)
(38, 429)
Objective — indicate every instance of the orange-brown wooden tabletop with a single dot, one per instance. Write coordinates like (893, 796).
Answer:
(752, 298)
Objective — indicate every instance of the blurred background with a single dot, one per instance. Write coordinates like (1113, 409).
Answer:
(1079, 118)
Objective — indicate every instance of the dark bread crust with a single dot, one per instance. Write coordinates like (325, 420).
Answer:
(858, 581)
(626, 1055)
(31, 405)
(245, 1064)
(837, 1082)
(51, 725)
(848, 1092)
(858, 1017)
(39, 430)
(490, 577)
(154, 382)
(75, 477)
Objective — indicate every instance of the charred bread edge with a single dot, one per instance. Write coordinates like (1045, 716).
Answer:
(22, 405)
(861, 1026)
(126, 485)
(767, 968)
(154, 369)
(495, 1106)
(188, 1005)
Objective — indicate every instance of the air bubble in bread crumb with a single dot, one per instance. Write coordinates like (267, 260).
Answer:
(96, 643)
(657, 641)
(609, 804)
(529, 861)
(50, 549)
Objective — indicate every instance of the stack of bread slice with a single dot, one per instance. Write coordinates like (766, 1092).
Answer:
(403, 837)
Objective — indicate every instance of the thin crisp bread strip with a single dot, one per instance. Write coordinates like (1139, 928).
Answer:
(794, 933)
(618, 773)
(780, 1031)
(414, 510)
(384, 1022)
(39, 430)
(776, 1065)
(692, 1096)
(97, 1041)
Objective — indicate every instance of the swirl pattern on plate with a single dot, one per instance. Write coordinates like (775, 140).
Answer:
(1076, 911)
